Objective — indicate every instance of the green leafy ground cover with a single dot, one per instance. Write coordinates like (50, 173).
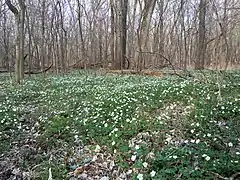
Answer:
(142, 127)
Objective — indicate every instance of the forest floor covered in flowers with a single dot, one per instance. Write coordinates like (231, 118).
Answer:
(83, 126)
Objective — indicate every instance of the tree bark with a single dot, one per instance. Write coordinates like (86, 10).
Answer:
(123, 38)
(201, 51)
(19, 37)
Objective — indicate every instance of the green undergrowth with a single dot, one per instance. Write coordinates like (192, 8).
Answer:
(161, 128)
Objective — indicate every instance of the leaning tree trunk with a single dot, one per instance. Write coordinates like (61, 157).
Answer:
(142, 32)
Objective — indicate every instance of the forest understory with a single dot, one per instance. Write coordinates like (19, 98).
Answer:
(88, 125)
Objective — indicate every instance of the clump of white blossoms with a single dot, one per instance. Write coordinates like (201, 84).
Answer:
(174, 157)
(207, 158)
(140, 176)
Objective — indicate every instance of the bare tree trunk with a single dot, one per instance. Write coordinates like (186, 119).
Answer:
(161, 33)
(22, 38)
(29, 44)
(112, 33)
(7, 63)
(62, 37)
(132, 35)
(142, 32)
(201, 51)
(123, 26)
(19, 28)
(43, 35)
(117, 58)
(81, 32)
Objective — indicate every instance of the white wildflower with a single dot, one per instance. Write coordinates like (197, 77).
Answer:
(140, 176)
(192, 141)
(97, 148)
(133, 158)
(153, 173)
(174, 157)
(209, 135)
(76, 137)
(145, 164)
(105, 178)
(207, 158)
(137, 147)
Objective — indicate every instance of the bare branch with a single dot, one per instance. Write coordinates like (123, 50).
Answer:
(12, 7)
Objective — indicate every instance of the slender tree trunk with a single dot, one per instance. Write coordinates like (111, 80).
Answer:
(123, 26)
(161, 32)
(112, 34)
(22, 38)
(43, 35)
(17, 41)
(29, 43)
(84, 55)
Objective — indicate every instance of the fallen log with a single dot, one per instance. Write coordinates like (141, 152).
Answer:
(4, 71)
(30, 72)
(39, 72)
(143, 72)
(122, 72)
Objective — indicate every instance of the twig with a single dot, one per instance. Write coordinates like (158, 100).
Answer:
(234, 176)
(219, 176)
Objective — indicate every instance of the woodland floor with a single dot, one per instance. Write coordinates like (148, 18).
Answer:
(92, 126)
